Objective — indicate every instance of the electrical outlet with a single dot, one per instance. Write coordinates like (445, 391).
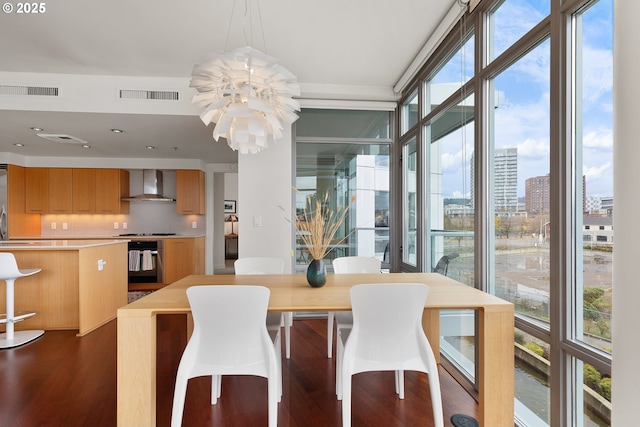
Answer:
(53, 225)
(125, 225)
(194, 224)
(115, 226)
(64, 226)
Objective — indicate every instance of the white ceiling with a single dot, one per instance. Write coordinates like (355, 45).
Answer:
(332, 46)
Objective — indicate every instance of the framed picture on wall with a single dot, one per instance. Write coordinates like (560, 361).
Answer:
(229, 206)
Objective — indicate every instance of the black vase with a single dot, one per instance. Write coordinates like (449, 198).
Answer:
(317, 273)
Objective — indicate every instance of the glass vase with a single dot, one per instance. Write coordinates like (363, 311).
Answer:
(317, 273)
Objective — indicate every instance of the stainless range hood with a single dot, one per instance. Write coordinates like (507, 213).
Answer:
(151, 187)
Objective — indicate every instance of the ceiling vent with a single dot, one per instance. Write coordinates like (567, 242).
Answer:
(28, 90)
(62, 139)
(162, 95)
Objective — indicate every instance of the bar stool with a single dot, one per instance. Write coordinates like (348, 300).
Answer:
(9, 272)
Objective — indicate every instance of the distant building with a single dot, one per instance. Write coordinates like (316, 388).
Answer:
(536, 190)
(599, 206)
(597, 229)
(606, 204)
(593, 204)
(505, 180)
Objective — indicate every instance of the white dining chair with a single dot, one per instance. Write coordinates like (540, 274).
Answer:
(269, 265)
(387, 335)
(348, 265)
(229, 337)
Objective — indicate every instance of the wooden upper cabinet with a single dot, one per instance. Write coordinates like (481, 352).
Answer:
(22, 223)
(190, 192)
(111, 186)
(77, 190)
(37, 190)
(84, 190)
(60, 191)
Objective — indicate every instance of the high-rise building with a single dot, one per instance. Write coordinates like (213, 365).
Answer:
(505, 180)
(536, 199)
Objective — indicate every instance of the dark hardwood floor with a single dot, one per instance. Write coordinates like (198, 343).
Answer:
(62, 380)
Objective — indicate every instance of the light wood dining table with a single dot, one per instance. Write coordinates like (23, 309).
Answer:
(136, 354)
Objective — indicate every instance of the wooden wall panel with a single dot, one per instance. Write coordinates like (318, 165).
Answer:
(51, 293)
(101, 292)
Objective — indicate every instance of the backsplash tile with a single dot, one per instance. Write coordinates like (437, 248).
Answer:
(144, 217)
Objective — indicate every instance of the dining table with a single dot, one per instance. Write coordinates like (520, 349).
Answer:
(136, 342)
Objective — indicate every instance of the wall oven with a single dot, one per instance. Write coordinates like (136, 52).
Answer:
(146, 261)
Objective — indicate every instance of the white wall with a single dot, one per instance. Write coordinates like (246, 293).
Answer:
(215, 223)
(626, 295)
(265, 194)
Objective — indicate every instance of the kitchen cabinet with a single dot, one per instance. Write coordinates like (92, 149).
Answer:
(111, 185)
(190, 193)
(37, 190)
(77, 190)
(21, 223)
(84, 191)
(60, 190)
(70, 292)
(183, 257)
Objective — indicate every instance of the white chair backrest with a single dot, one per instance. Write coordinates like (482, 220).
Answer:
(356, 264)
(8, 266)
(387, 321)
(229, 325)
(259, 265)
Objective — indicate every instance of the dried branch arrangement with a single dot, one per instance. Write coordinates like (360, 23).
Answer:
(318, 225)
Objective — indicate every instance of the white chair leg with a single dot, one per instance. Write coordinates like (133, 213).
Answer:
(436, 395)
(330, 317)
(400, 384)
(216, 388)
(346, 401)
(279, 367)
(179, 395)
(273, 401)
(288, 322)
(9, 334)
(339, 351)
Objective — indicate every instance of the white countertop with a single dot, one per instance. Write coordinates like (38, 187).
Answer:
(55, 244)
(87, 238)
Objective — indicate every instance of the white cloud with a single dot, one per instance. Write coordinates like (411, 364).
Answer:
(533, 148)
(513, 20)
(458, 159)
(603, 139)
(598, 76)
(459, 195)
(594, 172)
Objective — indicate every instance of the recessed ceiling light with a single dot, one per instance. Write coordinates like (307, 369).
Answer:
(150, 147)
(37, 129)
(17, 144)
(117, 130)
(86, 146)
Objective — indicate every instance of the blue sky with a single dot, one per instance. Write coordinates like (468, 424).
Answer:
(522, 113)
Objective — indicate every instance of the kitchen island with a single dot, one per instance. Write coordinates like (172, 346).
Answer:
(81, 285)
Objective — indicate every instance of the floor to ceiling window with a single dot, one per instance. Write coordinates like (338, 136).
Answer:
(346, 159)
(590, 293)
(409, 248)
(507, 175)
(519, 191)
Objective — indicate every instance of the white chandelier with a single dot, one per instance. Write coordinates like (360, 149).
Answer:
(248, 96)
